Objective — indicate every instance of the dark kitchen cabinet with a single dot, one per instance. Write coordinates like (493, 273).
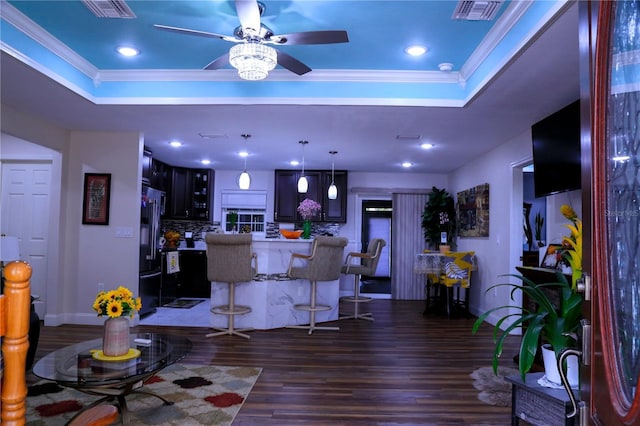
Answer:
(160, 175)
(147, 159)
(193, 274)
(335, 210)
(181, 193)
(170, 283)
(201, 194)
(287, 198)
(190, 193)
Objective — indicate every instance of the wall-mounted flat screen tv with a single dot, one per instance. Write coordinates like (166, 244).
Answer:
(556, 152)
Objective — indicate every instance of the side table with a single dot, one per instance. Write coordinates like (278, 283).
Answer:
(538, 405)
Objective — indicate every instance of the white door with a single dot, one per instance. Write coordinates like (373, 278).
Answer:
(26, 188)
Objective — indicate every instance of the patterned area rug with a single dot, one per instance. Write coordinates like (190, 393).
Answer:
(494, 390)
(202, 395)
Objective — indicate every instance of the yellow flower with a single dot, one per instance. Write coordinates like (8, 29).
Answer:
(568, 212)
(114, 309)
(117, 303)
(573, 256)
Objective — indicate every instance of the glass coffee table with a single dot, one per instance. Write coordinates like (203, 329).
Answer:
(81, 367)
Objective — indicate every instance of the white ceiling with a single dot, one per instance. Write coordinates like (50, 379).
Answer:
(497, 104)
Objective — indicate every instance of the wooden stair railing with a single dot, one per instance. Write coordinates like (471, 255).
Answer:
(15, 305)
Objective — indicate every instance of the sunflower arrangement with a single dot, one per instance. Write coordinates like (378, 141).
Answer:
(117, 303)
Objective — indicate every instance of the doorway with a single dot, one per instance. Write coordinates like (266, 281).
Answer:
(376, 223)
(26, 205)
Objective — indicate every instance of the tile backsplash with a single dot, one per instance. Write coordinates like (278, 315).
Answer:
(272, 228)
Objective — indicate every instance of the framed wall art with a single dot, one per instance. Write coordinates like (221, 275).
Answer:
(473, 211)
(95, 203)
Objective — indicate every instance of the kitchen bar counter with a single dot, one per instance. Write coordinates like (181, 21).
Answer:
(272, 295)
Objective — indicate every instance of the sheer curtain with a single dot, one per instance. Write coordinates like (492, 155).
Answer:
(407, 240)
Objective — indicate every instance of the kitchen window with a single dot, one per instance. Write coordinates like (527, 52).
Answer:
(249, 220)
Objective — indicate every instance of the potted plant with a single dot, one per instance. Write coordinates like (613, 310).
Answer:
(547, 319)
(547, 323)
(232, 217)
(439, 218)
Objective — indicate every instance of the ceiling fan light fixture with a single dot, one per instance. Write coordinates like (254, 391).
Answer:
(253, 60)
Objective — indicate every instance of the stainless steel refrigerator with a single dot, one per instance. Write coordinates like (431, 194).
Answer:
(152, 201)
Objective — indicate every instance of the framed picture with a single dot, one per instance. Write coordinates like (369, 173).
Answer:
(95, 203)
(473, 211)
(551, 256)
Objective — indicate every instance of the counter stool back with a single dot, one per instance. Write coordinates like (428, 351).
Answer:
(323, 264)
(229, 260)
(365, 264)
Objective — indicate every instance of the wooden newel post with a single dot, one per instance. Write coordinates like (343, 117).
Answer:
(15, 306)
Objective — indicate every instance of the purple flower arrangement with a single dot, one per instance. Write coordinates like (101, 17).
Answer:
(308, 208)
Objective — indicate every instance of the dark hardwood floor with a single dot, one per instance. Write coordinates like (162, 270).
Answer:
(404, 368)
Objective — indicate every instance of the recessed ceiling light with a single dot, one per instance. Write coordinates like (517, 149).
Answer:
(175, 144)
(426, 145)
(416, 50)
(243, 154)
(128, 51)
(294, 162)
(407, 164)
(205, 162)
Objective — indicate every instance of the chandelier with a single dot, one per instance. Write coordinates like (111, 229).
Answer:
(253, 60)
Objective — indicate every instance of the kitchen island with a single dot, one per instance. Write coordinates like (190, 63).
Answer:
(272, 295)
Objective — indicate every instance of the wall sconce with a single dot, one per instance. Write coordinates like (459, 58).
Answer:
(303, 185)
(332, 192)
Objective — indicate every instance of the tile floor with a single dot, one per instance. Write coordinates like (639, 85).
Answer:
(197, 316)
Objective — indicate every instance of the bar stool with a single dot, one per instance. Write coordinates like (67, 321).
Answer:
(367, 263)
(323, 264)
(229, 259)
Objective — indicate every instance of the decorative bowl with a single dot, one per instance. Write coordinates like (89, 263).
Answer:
(290, 235)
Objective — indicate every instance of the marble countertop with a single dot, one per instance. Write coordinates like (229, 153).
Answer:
(201, 245)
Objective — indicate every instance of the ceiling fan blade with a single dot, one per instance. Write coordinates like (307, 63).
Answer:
(219, 62)
(312, 37)
(195, 32)
(249, 14)
(292, 64)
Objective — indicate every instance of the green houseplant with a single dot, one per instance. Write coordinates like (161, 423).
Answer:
(549, 322)
(439, 215)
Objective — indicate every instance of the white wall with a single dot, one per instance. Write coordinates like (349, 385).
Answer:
(95, 254)
(556, 222)
(496, 253)
(82, 254)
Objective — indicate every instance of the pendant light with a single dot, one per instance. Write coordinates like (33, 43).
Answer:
(303, 185)
(332, 192)
(244, 181)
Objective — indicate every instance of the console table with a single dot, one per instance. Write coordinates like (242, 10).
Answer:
(538, 405)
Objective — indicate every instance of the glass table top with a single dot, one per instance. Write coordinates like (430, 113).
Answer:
(76, 366)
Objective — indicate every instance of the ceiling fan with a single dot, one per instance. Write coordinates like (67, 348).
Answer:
(253, 33)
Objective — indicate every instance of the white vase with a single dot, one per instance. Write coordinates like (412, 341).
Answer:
(551, 367)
